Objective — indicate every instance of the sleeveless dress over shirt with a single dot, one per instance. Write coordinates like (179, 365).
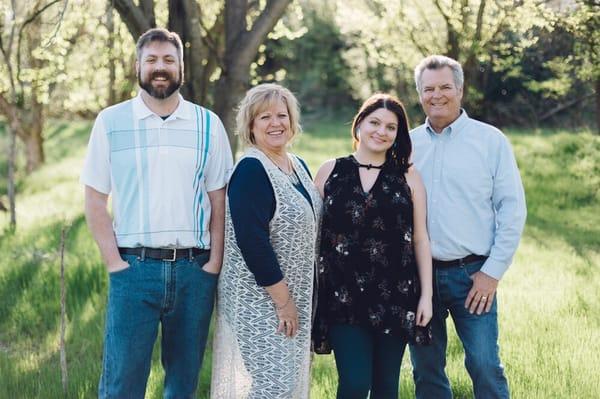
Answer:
(251, 360)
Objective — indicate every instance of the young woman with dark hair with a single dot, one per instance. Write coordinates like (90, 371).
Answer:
(374, 264)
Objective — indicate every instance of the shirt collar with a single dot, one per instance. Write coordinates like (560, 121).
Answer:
(452, 128)
(141, 110)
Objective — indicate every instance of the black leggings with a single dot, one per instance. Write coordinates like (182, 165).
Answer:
(366, 361)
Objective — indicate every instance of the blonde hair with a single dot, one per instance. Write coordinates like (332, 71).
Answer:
(260, 98)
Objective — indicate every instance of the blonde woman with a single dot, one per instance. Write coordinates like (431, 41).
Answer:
(264, 300)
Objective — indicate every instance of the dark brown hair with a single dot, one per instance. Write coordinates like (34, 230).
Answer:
(399, 154)
(160, 35)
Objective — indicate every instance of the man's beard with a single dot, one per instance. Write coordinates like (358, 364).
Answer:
(162, 92)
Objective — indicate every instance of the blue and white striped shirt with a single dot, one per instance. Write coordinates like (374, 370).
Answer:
(158, 172)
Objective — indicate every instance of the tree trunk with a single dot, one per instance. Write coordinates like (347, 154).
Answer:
(235, 84)
(110, 44)
(12, 150)
(184, 18)
(34, 149)
(204, 53)
(32, 127)
(598, 105)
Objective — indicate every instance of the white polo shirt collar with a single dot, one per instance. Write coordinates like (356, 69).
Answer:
(141, 110)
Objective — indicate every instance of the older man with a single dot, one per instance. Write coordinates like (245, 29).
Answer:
(475, 217)
(165, 162)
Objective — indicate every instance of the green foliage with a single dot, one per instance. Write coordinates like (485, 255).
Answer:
(584, 23)
(389, 38)
(310, 62)
(549, 300)
(558, 87)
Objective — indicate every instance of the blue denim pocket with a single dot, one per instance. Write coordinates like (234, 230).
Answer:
(201, 261)
(471, 268)
(131, 261)
(209, 274)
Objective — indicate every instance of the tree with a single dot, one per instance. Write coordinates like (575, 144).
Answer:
(585, 26)
(483, 35)
(219, 41)
(27, 70)
(312, 37)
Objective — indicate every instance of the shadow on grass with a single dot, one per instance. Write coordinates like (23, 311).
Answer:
(581, 238)
(83, 349)
(30, 283)
(30, 314)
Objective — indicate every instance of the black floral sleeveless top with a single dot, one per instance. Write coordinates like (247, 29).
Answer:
(367, 273)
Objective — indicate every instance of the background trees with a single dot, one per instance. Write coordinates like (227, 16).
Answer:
(221, 39)
(527, 62)
(28, 72)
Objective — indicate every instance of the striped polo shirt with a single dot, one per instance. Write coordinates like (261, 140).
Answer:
(158, 172)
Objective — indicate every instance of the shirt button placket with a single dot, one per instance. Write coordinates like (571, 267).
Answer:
(437, 171)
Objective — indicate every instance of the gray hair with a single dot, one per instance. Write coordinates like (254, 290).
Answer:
(260, 98)
(438, 62)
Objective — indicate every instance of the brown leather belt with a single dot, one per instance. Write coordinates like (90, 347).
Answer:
(166, 254)
(458, 262)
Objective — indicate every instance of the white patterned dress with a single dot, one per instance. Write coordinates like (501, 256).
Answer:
(251, 360)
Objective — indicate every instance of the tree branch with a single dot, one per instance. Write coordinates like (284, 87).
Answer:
(247, 47)
(437, 5)
(11, 76)
(27, 21)
(479, 21)
(567, 105)
(214, 45)
(235, 21)
(58, 24)
(5, 106)
(135, 19)
(147, 8)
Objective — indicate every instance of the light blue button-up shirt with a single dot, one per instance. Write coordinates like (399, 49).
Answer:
(475, 197)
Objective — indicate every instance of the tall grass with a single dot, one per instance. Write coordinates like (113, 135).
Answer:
(549, 299)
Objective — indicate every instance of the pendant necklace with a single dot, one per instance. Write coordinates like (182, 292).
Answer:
(292, 176)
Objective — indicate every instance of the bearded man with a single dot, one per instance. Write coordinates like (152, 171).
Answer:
(165, 162)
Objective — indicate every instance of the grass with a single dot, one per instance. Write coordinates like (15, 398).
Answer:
(549, 300)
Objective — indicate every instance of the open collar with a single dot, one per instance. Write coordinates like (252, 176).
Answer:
(141, 110)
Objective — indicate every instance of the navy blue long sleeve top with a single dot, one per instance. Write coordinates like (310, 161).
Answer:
(252, 206)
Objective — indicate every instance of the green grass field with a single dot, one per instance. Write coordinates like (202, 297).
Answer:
(549, 300)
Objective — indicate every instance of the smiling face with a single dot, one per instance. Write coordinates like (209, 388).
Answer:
(377, 131)
(440, 97)
(271, 127)
(159, 69)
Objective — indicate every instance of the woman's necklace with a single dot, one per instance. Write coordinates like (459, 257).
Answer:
(292, 175)
(369, 166)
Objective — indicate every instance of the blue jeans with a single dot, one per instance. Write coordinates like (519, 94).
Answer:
(179, 297)
(366, 361)
(478, 334)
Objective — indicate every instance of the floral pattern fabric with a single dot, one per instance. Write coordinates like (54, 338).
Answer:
(367, 273)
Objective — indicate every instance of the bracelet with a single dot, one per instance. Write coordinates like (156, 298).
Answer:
(284, 305)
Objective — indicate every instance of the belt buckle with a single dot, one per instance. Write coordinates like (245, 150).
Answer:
(174, 256)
